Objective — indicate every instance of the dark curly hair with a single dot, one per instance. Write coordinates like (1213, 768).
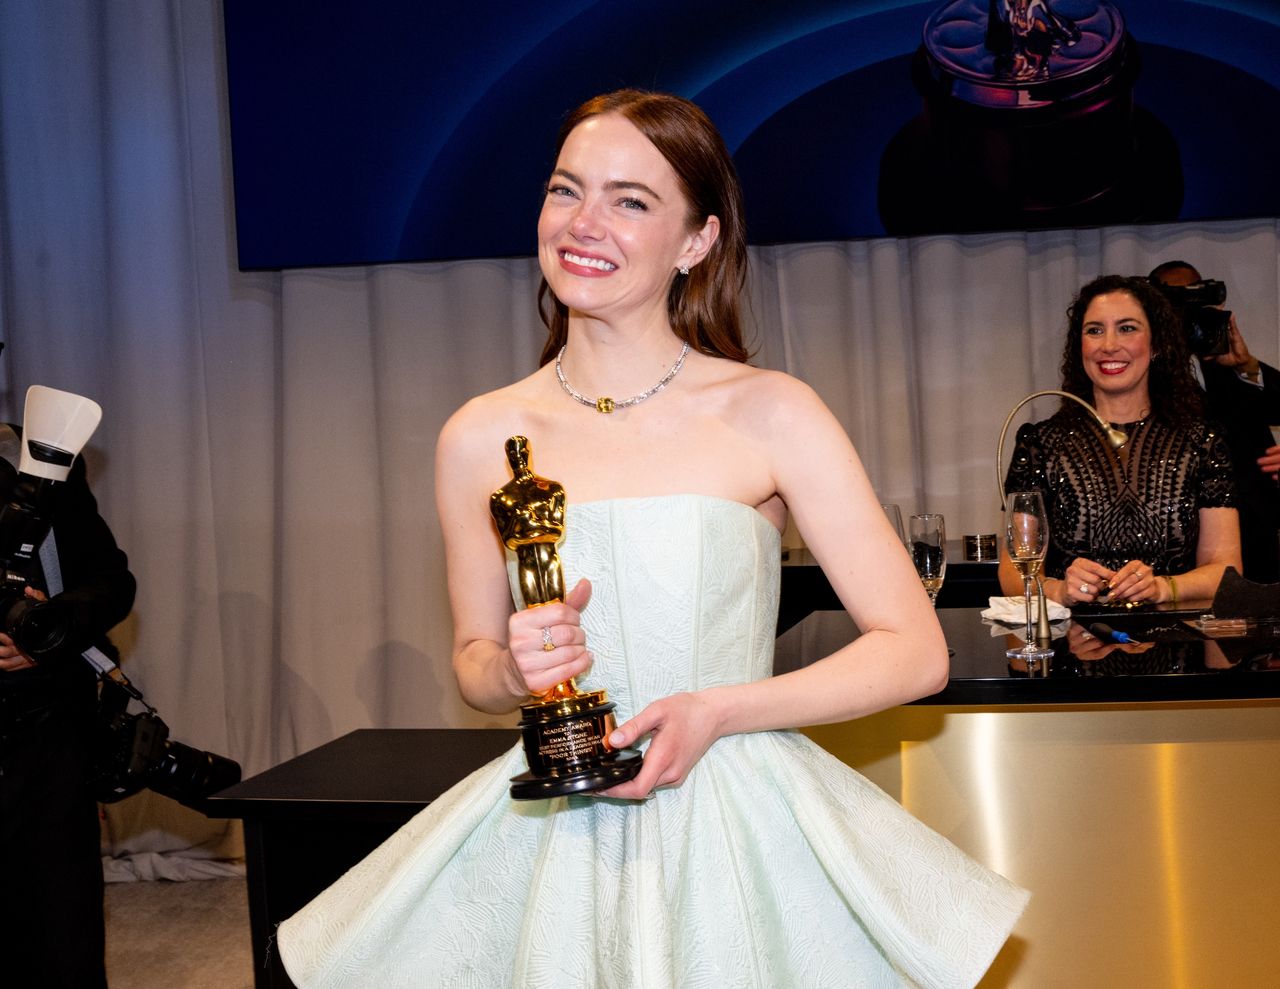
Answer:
(1176, 397)
(704, 305)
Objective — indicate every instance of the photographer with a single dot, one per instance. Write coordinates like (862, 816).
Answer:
(51, 933)
(1244, 397)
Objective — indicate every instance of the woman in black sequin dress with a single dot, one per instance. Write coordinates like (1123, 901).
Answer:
(1154, 521)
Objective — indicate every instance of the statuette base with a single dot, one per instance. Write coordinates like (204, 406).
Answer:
(566, 748)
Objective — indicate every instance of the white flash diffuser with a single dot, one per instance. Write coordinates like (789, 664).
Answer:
(55, 427)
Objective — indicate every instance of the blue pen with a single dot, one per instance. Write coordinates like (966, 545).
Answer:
(1107, 632)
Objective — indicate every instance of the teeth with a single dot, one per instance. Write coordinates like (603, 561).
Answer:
(599, 263)
(1113, 365)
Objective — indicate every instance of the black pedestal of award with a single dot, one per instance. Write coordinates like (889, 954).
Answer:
(566, 748)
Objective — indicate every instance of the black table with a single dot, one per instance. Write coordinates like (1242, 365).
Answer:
(311, 818)
(1170, 660)
(1181, 665)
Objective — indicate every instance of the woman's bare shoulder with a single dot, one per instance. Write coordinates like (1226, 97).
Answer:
(490, 418)
(771, 397)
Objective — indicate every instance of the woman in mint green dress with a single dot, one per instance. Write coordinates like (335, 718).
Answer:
(741, 854)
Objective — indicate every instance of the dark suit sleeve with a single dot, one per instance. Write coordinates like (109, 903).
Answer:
(97, 584)
(1241, 404)
(1270, 394)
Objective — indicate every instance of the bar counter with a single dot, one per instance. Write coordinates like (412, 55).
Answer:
(1132, 790)
(1171, 659)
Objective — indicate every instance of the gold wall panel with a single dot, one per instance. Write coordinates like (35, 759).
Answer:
(1146, 833)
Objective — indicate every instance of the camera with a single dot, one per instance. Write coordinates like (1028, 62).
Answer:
(1206, 327)
(38, 628)
(135, 752)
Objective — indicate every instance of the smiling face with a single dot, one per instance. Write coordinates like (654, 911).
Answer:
(1115, 346)
(615, 223)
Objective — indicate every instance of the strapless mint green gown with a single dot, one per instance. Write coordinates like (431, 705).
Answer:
(773, 866)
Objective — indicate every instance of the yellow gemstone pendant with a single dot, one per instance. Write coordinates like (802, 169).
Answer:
(604, 404)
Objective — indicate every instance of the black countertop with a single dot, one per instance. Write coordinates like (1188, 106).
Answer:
(371, 774)
(1170, 659)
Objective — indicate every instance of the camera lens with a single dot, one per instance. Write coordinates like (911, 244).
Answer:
(38, 628)
(189, 775)
(1208, 331)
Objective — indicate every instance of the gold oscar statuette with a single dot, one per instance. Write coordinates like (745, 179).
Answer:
(564, 730)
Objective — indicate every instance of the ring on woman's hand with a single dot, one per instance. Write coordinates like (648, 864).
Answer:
(548, 644)
(1084, 588)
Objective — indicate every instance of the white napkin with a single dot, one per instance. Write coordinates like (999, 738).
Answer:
(1013, 610)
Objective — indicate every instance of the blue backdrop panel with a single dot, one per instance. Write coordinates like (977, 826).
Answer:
(404, 131)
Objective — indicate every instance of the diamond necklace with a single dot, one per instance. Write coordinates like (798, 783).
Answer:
(605, 404)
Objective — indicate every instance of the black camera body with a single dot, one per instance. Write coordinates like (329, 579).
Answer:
(134, 752)
(1206, 327)
(38, 628)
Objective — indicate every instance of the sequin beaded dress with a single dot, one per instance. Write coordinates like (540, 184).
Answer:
(1141, 504)
(773, 865)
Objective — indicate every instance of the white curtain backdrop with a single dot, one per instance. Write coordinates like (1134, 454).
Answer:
(266, 452)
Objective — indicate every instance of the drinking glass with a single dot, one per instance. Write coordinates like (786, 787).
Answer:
(894, 514)
(1026, 534)
(929, 552)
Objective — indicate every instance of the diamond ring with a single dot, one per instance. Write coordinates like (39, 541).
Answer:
(548, 644)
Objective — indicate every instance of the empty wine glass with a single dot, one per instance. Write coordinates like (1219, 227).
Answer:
(929, 552)
(894, 514)
(1026, 534)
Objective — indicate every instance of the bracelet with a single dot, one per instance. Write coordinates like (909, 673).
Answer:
(1173, 589)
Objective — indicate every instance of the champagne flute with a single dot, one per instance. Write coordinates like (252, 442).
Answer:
(1027, 540)
(894, 514)
(929, 552)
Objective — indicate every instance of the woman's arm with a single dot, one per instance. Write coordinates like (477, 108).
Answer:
(498, 657)
(1026, 473)
(1217, 548)
(1086, 580)
(900, 654)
